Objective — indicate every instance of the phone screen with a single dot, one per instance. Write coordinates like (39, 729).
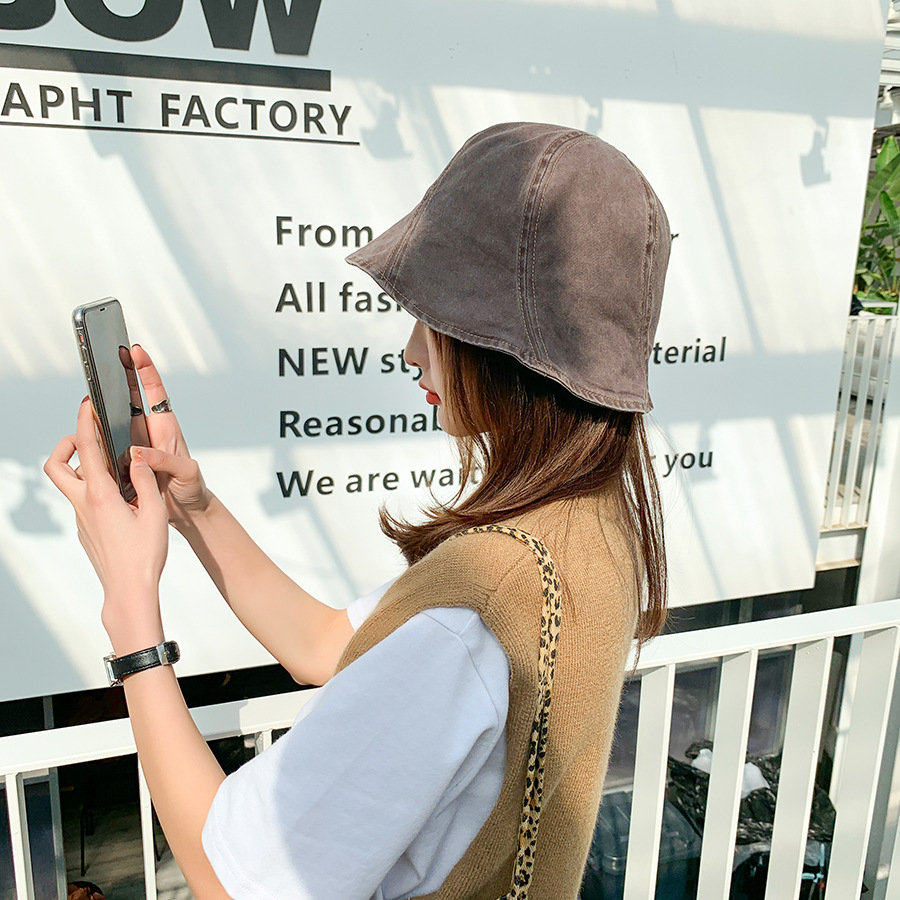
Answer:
(113, 386)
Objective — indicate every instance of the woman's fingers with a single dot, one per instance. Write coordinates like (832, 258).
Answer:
(163, 427)
(90, 454)
(182, 468)
(149, 375)
(149, 499)
(92, 466)
(58, 468)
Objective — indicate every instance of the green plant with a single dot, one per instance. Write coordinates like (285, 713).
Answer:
(877, 272)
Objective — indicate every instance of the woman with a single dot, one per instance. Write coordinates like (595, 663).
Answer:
(534, 267)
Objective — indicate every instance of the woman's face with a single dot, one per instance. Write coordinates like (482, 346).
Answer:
(421, 351)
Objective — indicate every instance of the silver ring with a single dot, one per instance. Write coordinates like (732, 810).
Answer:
(162, 406)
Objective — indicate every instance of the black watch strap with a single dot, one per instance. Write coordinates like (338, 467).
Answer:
(119, 668)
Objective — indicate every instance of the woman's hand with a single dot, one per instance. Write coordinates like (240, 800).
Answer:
(126, 543)
(178, 475)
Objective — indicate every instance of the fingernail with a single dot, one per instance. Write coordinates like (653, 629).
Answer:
(137, 345)
(86, 398)
(137, 455)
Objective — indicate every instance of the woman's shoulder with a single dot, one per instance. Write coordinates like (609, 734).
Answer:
(466, 565)
(500, 578)
(585, 538)
(589, 525)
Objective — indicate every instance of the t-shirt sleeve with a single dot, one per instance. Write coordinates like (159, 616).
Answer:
(359, 610)
(327, 811)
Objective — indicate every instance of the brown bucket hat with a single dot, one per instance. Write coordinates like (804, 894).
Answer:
(542, 242)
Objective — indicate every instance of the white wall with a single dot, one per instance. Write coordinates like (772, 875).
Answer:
(752, 121)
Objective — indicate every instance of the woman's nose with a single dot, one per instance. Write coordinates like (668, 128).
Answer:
(416, 351)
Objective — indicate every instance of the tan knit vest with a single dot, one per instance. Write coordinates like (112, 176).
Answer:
(499, 578)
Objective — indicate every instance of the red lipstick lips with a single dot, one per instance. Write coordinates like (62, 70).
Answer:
(430, 396)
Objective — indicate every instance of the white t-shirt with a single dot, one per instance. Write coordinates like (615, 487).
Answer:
(386, 776)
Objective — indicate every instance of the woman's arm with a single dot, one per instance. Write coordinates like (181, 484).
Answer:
(306, 636)
(181, 771)
(127, 546)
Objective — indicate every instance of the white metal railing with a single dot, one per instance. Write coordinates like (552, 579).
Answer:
(864, 381)
(877, 631)
(20, 755)
(876, 634)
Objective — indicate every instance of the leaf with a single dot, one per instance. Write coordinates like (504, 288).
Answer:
(881, 174)
(889, 210)
(888, 152)
(887, 174)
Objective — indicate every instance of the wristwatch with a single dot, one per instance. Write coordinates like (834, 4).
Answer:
(119, 668)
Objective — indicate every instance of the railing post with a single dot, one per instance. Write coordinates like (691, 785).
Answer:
(18, 831)
(862, 762)
(840, 427)
(262, 741)
(892, 891)
(876, 334)
(59, 850)
(883, 840)
(806, 707)
(862, 396)
(888, 327)
(650, 765)
(879, 574)
(725, 779)
(848, 695)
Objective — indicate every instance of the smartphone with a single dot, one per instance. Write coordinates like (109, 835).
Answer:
(113, 386)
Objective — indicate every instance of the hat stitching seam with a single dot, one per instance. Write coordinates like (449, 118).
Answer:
(543, 167)
(395, 260)
(522, 255)
(578, 138)
(648, 264)
(521, 251)
(396, 250)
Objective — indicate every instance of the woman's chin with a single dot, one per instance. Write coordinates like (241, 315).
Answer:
(446, 424)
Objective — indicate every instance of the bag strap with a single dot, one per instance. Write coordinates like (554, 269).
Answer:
(534, 776)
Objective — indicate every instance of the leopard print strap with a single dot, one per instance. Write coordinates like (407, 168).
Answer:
(534, 778)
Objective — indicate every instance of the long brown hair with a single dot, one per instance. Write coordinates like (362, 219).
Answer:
(535, 443)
